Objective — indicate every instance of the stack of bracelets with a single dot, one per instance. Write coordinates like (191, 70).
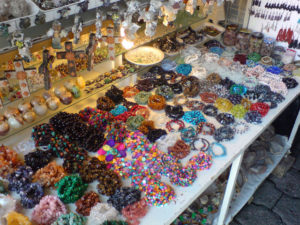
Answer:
(169, 106)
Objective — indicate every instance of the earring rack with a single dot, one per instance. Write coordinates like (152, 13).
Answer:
(278, 19)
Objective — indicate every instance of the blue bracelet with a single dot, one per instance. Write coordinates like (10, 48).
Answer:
(188, 134)
(193, 117)
(216, 50)
(119, 109)
(184, 69)
(212, 152)
(274, 70)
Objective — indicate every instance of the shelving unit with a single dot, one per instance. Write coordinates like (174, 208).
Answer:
(253, 182)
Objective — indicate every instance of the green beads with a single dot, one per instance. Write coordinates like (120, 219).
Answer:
(134, 122)
(70, 219)
(70, 188)
(238, 111)
(115, 222)
(142, 97)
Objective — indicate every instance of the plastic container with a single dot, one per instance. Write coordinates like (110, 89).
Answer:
(289, 56)
(230, 34)
(14, 24)
(242, 40)
(267, 46)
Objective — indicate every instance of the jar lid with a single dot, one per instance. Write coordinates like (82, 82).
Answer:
(269, 40)
(245, 31)
(258, 35)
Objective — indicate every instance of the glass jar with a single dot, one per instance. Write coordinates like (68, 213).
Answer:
(255, 42)
(230, 33)
(267, 46)
(242, 40)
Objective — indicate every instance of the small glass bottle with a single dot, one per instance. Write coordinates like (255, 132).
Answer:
(267, 46)
(242, 40)
(255, 42)
(230, 33)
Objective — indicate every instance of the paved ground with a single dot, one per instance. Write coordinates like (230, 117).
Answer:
(276, 202)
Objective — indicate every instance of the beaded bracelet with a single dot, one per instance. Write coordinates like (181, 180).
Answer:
(146, 126)
(250, 83)
(225, 118)
(176, 88)
(174, 112)
(241, 58)
(212, 151)
(134, 122)
(177, 99)
(240, 127)
(206, 128)
(9, 161)
(13, 218)
(203, 148)
(123, 197)
(101, 213)
(109, 183)
(155, 134)
(266, 60)
(214, 78)
(190, 86)
(253, 117)
(194, 105)
(145, 85)
(224, 133)
(290, 82)
(31, 195)
(252, 95)
(238, 111)
(260, 107)
(156, 102)
(165, 91)
(216, 50)
(227, 83)
(210, 110)
(220, 89)
(274, 69)
(18, 179)
(178, 122)
(129, 92)
(86, 203)
(184, 177)
(184, 69)
(48, 210)
(115, 94)
(142, 97)
(70, 188)
(235, 99)
(105, 103)
(119, 109)
(134, 212)
(238, 89)
(168, 65)
(255, 57)
(208, 97)
(188, 134)
(70, 218)
(201, 161)
(193, 117)
(246, 103)
(179, 150)
(223, 104)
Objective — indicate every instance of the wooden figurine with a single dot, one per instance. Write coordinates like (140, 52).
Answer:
(71, 56)
(90, 51)
(57, 33)
(44, 68)
(77, 28)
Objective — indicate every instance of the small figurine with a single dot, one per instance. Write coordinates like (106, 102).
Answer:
(77, 28)
(23, 45)
(98, 24)
(57, 33)
(71, 56)
(84, 6)
(90, 51)
(44, 68)
(64, 12)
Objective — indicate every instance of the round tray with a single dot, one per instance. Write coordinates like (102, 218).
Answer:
(136, 56)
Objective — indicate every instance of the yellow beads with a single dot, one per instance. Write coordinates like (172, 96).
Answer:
(14, 218)
(223, 104)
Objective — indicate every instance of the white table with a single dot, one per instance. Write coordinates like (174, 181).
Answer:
(186, 195)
